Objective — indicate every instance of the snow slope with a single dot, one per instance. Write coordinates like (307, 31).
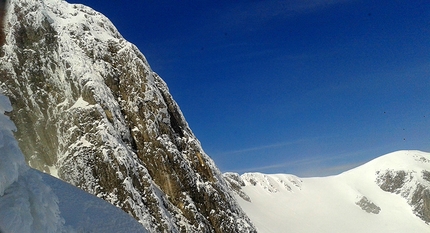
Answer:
(350, 202)
(87, 213)
(31, 201)
(26, 203)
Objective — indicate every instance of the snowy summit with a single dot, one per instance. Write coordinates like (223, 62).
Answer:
(89, 109)
(388, 194)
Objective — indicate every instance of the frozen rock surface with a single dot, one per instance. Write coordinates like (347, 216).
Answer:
(89, 109)
(27, 204)
(35, 202)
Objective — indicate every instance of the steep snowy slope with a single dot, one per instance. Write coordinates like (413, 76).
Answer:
(83, 212)
(389, 194)
(87, 104)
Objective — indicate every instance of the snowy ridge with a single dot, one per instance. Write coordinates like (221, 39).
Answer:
(273, 183)
(89, 109)
(388, 194)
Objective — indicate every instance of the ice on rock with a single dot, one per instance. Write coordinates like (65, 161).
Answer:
(93, 113)
(26, 203)
(11, 161)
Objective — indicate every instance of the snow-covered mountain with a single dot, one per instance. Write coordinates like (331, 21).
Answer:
(89, 110)
(389, 194)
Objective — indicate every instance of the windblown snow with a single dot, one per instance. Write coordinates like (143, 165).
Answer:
(360, 200)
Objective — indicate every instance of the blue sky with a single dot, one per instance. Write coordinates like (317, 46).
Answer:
(305, 87)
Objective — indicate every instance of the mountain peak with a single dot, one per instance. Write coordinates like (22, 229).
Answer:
(398, 160)
(88, 108)
(388, 194)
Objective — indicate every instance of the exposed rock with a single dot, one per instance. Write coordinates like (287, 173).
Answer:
(2, 16)
(272, 184)
(236, 183)
(368, 206)
(391, 181)
(414, 187)
(421, 202)
(269, 183)
(87, 104)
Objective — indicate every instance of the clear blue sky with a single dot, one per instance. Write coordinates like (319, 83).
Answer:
(299, 86)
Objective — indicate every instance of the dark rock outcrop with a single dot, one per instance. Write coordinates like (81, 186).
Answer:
(89, 108)
(412, 185)
(2, 17)
(236, 183)
(368, 206)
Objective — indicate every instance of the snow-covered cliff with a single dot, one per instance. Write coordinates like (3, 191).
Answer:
(27, 204)
(34, 202)
(90, 110)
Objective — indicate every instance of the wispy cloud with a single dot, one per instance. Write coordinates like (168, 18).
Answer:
(319, 170)
(293, 164)
(263, 11)
(276, 166)
(322, 165)
(269, 146)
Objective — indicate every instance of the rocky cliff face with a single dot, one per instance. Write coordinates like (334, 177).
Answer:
(414, 186)
(90, 110)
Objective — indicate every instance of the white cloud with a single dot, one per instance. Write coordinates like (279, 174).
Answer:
(266, 147)
(322, 165)
(246, 13)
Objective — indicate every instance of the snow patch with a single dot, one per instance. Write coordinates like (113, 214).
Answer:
(80, 103)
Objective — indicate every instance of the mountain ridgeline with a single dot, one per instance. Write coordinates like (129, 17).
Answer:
(89, 109)
(2, 16)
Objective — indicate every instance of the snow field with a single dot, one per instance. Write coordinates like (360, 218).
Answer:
(328, 204)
